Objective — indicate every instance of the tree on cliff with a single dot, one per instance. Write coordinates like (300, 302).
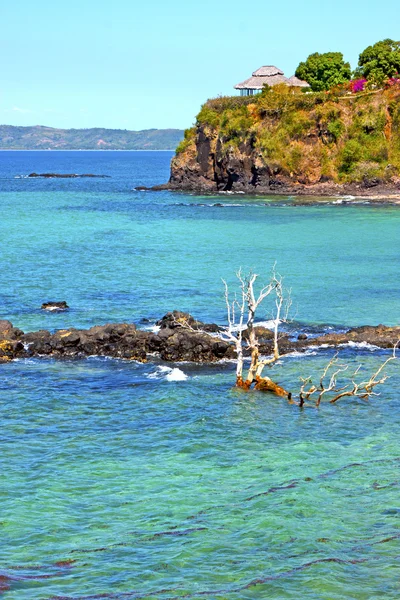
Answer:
(324, 71)
(241, 331)
(380, 62)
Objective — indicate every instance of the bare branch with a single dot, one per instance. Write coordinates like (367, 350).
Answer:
(250, 302)
(243, 310)
(365, 389)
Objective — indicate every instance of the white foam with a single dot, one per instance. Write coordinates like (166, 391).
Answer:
(321, 346)
(297, 354)
(176, 375)
(344, 198)
(168, 374)
(267, 324)
(362, 345)
(152, 328)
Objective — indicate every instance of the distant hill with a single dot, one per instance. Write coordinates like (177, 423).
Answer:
(44, 138)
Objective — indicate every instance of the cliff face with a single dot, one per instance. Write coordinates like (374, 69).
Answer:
(284, 141)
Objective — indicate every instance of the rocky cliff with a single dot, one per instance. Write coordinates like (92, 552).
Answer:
(286, 141)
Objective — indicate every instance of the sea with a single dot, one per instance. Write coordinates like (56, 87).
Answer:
(132, 481)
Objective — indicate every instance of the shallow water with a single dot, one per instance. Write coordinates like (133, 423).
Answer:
(157, 485)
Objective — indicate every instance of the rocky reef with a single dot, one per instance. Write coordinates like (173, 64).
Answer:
(180, 338)
(64, 175)
(288, 142)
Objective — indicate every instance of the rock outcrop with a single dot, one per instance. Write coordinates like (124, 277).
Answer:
(381, 336)
(282, 142)
(176, 341)
(64, 175)
(213, 168)
(180, 338)
(55, 306)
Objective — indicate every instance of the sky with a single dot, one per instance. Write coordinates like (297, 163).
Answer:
(129, 64)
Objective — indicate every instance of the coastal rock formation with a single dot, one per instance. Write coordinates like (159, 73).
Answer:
(288, 142)
(174, 342)
(381, 336)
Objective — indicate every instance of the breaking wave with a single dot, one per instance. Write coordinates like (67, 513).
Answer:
(165, 373)
(362, 345)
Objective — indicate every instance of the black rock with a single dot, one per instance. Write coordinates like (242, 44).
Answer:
(175, 319)
(64, 175)
(9, 332)
(55, 306)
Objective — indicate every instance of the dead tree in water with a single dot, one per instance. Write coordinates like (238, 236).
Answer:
(363, 389)
(241, 315)
(241, 312)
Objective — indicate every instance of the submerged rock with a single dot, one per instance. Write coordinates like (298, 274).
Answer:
(64, 175)
(54, 306)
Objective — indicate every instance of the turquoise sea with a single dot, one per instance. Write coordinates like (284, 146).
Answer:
(120, 480)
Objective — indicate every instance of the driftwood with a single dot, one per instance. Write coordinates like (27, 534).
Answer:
(248, 303)
(241, 313)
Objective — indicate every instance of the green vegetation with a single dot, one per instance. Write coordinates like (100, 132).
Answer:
(333, 135)
(380, 62)
(43, 138)
(324, 71)
(187, 139)
(377, 65)
(342, 130)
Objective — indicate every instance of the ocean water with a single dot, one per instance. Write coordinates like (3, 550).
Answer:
(126, 480)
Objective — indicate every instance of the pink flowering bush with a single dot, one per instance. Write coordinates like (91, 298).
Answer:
(357, 85)
(393, 81)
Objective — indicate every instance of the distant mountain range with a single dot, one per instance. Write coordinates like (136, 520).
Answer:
(39, 137)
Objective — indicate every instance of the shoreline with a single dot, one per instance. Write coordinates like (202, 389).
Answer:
(350, 193)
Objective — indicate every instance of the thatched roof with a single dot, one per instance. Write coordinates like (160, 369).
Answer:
(295, 81)
(267, 71)
(257, 83)
(269, 75)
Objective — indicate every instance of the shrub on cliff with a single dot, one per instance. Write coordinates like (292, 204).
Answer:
(188, 137)
(235, 124)
(208, 116)
(324, 71)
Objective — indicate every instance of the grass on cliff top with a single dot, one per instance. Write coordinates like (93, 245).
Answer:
(308, 136)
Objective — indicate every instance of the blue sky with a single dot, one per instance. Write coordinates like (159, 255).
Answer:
(135, 65)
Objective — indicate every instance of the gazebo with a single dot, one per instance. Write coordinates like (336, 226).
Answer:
(268, 75)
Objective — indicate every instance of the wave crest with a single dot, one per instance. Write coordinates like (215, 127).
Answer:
(165, 373)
